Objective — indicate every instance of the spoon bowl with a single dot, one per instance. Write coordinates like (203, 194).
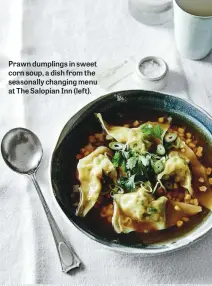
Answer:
(22, 150)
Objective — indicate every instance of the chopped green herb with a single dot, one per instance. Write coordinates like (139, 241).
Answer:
(117, 159)
(155, 130)
(126, 154)
(124, 165)
(144, 160)
(121, 182)
(130, 184)
(146, 129)
(140, 169)
(127, 183)
(131, 163)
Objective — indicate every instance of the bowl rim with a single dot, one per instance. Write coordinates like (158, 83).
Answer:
(151, 250)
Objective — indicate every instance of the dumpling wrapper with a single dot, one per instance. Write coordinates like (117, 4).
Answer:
(120, 133)
(132, 136)
(205, 198)
(91, 169)
(131, 212)
(186, 210)
(176, 165)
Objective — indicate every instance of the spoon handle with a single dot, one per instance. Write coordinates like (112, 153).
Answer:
(68, 258)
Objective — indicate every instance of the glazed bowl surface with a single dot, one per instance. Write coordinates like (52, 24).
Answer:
(74, 136)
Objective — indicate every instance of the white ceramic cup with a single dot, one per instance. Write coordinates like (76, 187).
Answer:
(193, 30)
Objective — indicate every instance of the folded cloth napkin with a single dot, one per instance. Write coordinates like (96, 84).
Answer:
(81, 30)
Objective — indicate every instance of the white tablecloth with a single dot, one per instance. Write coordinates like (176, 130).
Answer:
(81, 30)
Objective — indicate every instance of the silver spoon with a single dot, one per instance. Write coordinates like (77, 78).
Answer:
(22, 152)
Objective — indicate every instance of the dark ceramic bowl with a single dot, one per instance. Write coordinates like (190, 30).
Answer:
(74, 136)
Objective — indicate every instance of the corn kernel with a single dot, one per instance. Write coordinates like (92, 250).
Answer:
(82, 150)
(208, 171)
(188, 141)
(185, 219)
(203, 189)
(89, 148)
(110, 212)
(188, 135)
(110, 206)
(195, 149)
(187, 197)
(201, 180)
(161, 119)
(198, 154)
(136, 123)
(177, 208)
(92, 139)
(101, 137)
(210, 181)
(175, 186)
(103, 212)
(196, 203)
(183, 150)
(79, 156)
(192, 145)
(169, 196)
(199, 149)
(126, 125)
(179, 223)
(191, 201)
(181, 130)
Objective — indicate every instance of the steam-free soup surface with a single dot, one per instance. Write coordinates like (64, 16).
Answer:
(110, 201)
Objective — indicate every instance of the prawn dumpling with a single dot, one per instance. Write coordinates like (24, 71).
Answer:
(176, 165)
(91, 169)
(138, 211)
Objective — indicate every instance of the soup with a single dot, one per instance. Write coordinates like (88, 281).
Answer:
(142, 181)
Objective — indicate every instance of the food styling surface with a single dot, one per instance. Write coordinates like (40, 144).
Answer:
(93, 30)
